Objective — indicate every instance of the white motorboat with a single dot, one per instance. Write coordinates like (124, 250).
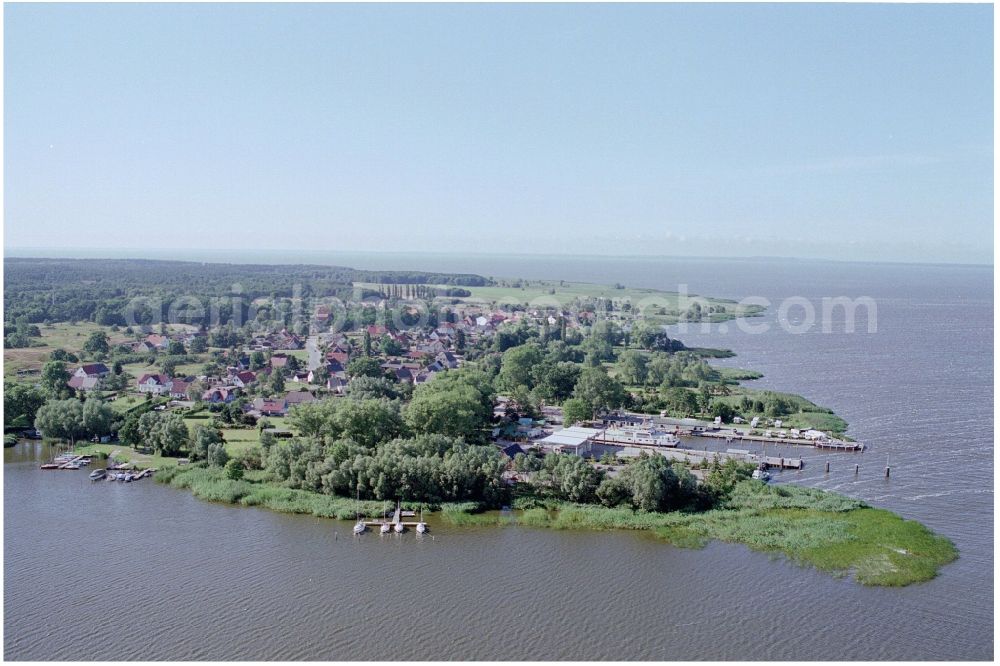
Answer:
(384, 529)
(421, 526)
(399, 528)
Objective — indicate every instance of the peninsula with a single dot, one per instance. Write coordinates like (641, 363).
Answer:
(332, 391)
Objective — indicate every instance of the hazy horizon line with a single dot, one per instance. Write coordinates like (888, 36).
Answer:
(78, 252)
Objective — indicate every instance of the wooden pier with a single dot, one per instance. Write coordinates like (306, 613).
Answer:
(397, 519)
(71, 464)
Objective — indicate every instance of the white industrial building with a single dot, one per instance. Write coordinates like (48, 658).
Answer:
(571, 440)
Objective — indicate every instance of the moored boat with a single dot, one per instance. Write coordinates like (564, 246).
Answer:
(98, 474)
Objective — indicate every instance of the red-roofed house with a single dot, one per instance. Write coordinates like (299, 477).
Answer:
(92, 370)
(244, 378)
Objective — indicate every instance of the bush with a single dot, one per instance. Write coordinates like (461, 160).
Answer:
(234, 470)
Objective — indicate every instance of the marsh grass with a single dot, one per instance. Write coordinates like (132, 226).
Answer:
(830, 532)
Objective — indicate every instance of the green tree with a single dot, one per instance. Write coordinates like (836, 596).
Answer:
(97, 417)
(599, 390)
(257, 360)
(169, 366)
(201, 439)
(680, 401)
(576, 410)
(217, 455)
(20, 404)
(277, 382)
(165, 433)
(723, 410)
(61, 419)
(367, 422)
(365, 366)
(517, 367)
(97, 344)
(53, 379)
(632, 367)
(458, 404)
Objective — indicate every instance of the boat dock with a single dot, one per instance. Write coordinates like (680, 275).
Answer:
(834, 444)
(397, 519)
(696, 456)
(76, 462)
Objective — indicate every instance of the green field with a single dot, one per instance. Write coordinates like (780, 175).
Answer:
(67, 336)
(662, 306)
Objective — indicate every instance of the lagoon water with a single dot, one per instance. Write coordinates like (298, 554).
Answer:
(141, 571)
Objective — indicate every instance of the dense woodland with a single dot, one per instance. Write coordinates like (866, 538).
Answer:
(50, 290)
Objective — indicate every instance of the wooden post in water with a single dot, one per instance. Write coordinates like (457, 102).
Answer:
(827, 466)
(887, 466)
(856, 468)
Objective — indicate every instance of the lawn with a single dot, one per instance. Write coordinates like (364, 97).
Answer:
(121, 452)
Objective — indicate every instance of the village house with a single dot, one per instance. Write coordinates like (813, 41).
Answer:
(84, 383)
(337, 384)
(158, 341)
(243, 379)
(220, 394)
(179, 388)
(156, 384)
(92, 370)
(447, 360)
(279, 406)
(424, 376)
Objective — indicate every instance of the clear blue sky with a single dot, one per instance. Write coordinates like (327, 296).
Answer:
(841, 131)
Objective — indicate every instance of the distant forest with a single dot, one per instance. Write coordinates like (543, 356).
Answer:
(52, 290)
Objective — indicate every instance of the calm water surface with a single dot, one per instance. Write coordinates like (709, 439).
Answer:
(145, 572)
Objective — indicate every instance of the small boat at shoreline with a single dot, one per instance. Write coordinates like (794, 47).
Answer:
(98, 474)
(359, 526)
(421, 526)
(384, 528)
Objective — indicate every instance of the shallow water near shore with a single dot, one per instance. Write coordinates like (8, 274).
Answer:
(143, 571)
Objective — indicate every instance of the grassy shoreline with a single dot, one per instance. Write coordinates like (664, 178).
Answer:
(830, 532)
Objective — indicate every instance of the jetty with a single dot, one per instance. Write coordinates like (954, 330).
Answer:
(67, 462)
(397, 519)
